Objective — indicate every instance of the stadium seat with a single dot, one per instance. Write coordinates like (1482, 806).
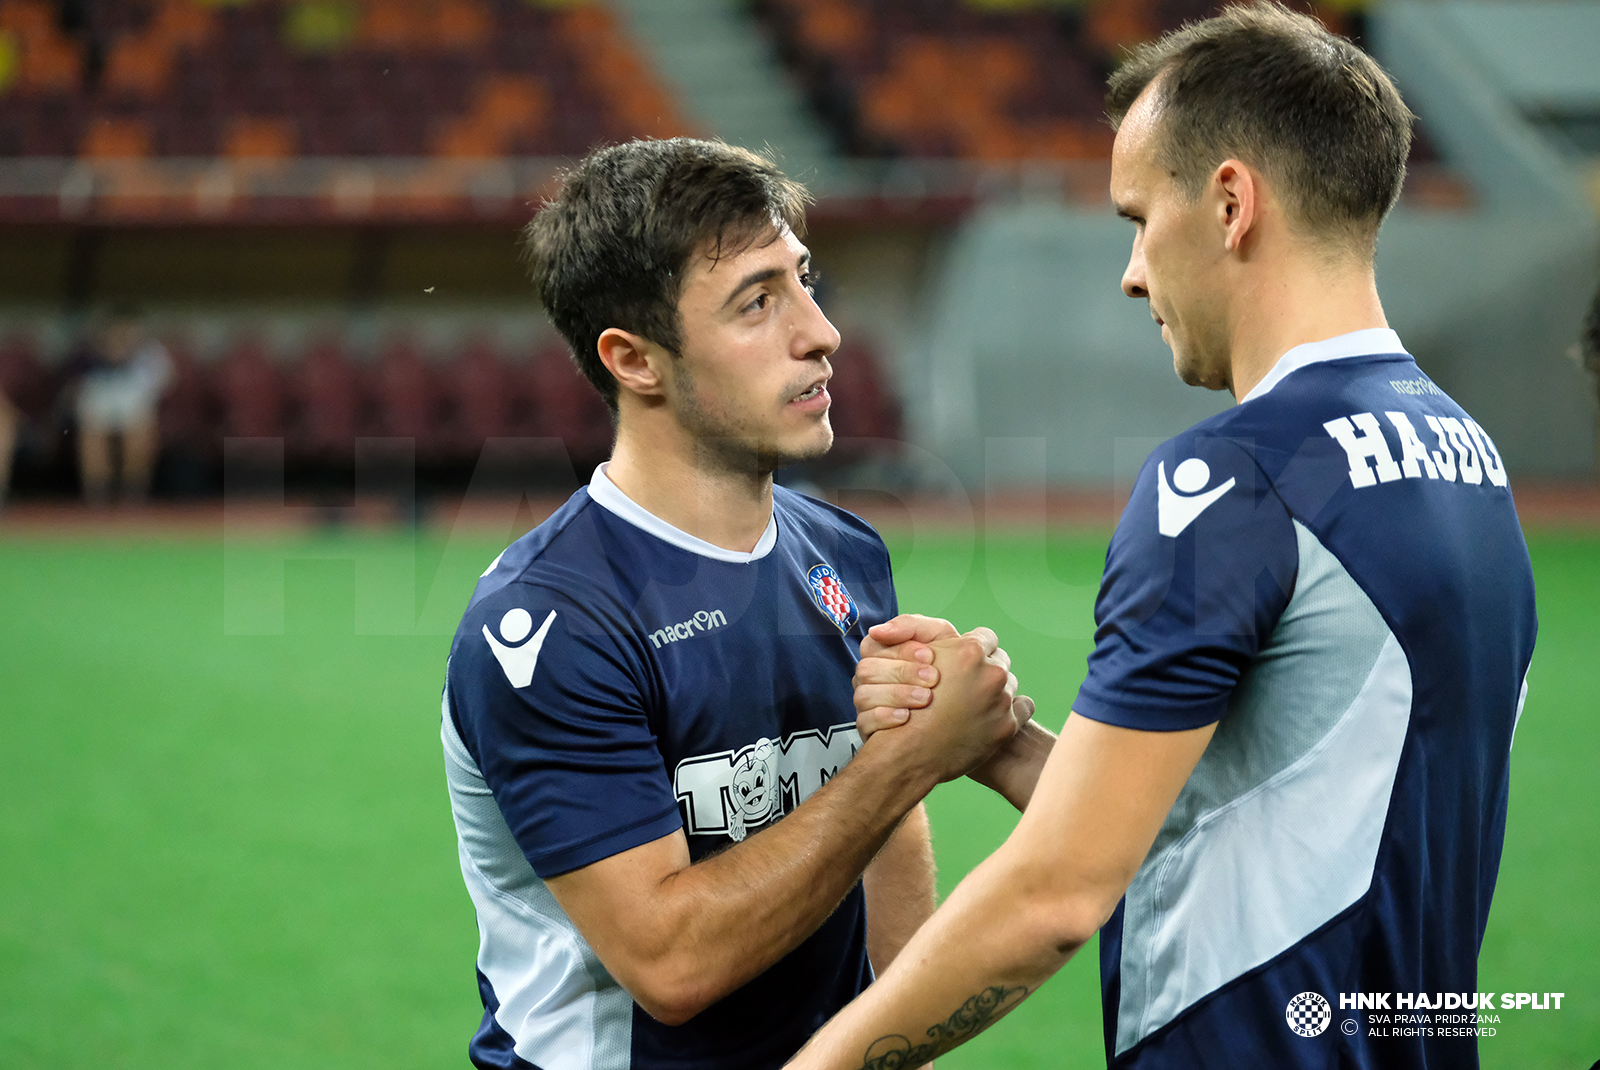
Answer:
(190, 413)
(507, 109)
(112, 138)
(325, 392)
(250, 390)
(479, 401)
(406, 399)
(250, 137)
(52, 63)
(24, 381)
(566, 406)
(865, 414)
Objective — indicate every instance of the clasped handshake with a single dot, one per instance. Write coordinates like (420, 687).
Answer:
(950, 699)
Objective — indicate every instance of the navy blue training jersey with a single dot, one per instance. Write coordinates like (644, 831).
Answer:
(615, 680)
(1333, 572)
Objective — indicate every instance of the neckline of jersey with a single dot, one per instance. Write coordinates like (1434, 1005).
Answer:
(609, 496)
(1362, 343)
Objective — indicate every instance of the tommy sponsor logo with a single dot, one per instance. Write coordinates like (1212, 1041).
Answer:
(517, 658)
(1466, 453)
(702, 621)
(829, 593)
(1308, 1014)
(734, 792)
(1178, 504)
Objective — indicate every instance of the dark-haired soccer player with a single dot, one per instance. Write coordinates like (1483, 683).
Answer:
(664, 809)
(1284, 781)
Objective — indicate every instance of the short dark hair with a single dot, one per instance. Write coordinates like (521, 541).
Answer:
(1589, 339)
(613, 247)
(1277, 90)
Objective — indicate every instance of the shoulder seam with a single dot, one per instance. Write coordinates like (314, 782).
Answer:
(589, 503)
(835, 512)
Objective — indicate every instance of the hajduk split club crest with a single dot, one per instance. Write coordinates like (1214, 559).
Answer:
(828, 592)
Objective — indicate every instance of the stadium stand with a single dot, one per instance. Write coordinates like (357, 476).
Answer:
(215, 91)
(269, 79)
(1014, 79)
(174, 111)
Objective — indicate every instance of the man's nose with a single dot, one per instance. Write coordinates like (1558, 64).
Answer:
(816, 334)
(1133, 280)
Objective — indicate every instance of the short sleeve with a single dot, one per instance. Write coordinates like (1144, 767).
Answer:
(1199, 571)
(550, 698)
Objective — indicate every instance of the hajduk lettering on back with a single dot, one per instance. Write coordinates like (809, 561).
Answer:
(1465, 451)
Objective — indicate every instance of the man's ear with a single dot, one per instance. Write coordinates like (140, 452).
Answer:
(1238, 192)
(634, 361)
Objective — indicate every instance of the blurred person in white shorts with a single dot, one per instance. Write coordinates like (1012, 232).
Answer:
(125, 373)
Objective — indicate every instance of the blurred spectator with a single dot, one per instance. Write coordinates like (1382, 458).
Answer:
(8, 443)
(1589, 344)
(1589, 340)
(120, 376)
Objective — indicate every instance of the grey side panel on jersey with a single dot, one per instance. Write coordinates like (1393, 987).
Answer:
(1299, 772)
(560, 1005)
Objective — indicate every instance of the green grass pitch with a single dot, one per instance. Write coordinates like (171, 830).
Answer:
(235, 850)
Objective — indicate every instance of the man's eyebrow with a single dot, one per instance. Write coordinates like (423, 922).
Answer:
(762, 276)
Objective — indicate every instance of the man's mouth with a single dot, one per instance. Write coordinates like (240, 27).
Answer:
(816, 389)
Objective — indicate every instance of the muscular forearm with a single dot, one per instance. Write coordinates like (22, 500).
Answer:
(680, 936)
(899, 889)
(1020, 915)
(990, 945)
(723, 921)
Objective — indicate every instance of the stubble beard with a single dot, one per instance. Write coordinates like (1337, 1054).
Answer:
(729, 444)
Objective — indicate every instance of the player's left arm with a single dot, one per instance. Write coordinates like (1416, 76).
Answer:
(899, 889)
(1017, 918)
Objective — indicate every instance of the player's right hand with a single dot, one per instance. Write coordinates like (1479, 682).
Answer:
(895, 674)
(956, 720)
(906, 636)
(970, 712)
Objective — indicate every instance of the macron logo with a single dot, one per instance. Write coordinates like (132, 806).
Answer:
(518, 661)
(1178, 505)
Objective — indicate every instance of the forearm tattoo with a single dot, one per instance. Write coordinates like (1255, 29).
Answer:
(895, 1052)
